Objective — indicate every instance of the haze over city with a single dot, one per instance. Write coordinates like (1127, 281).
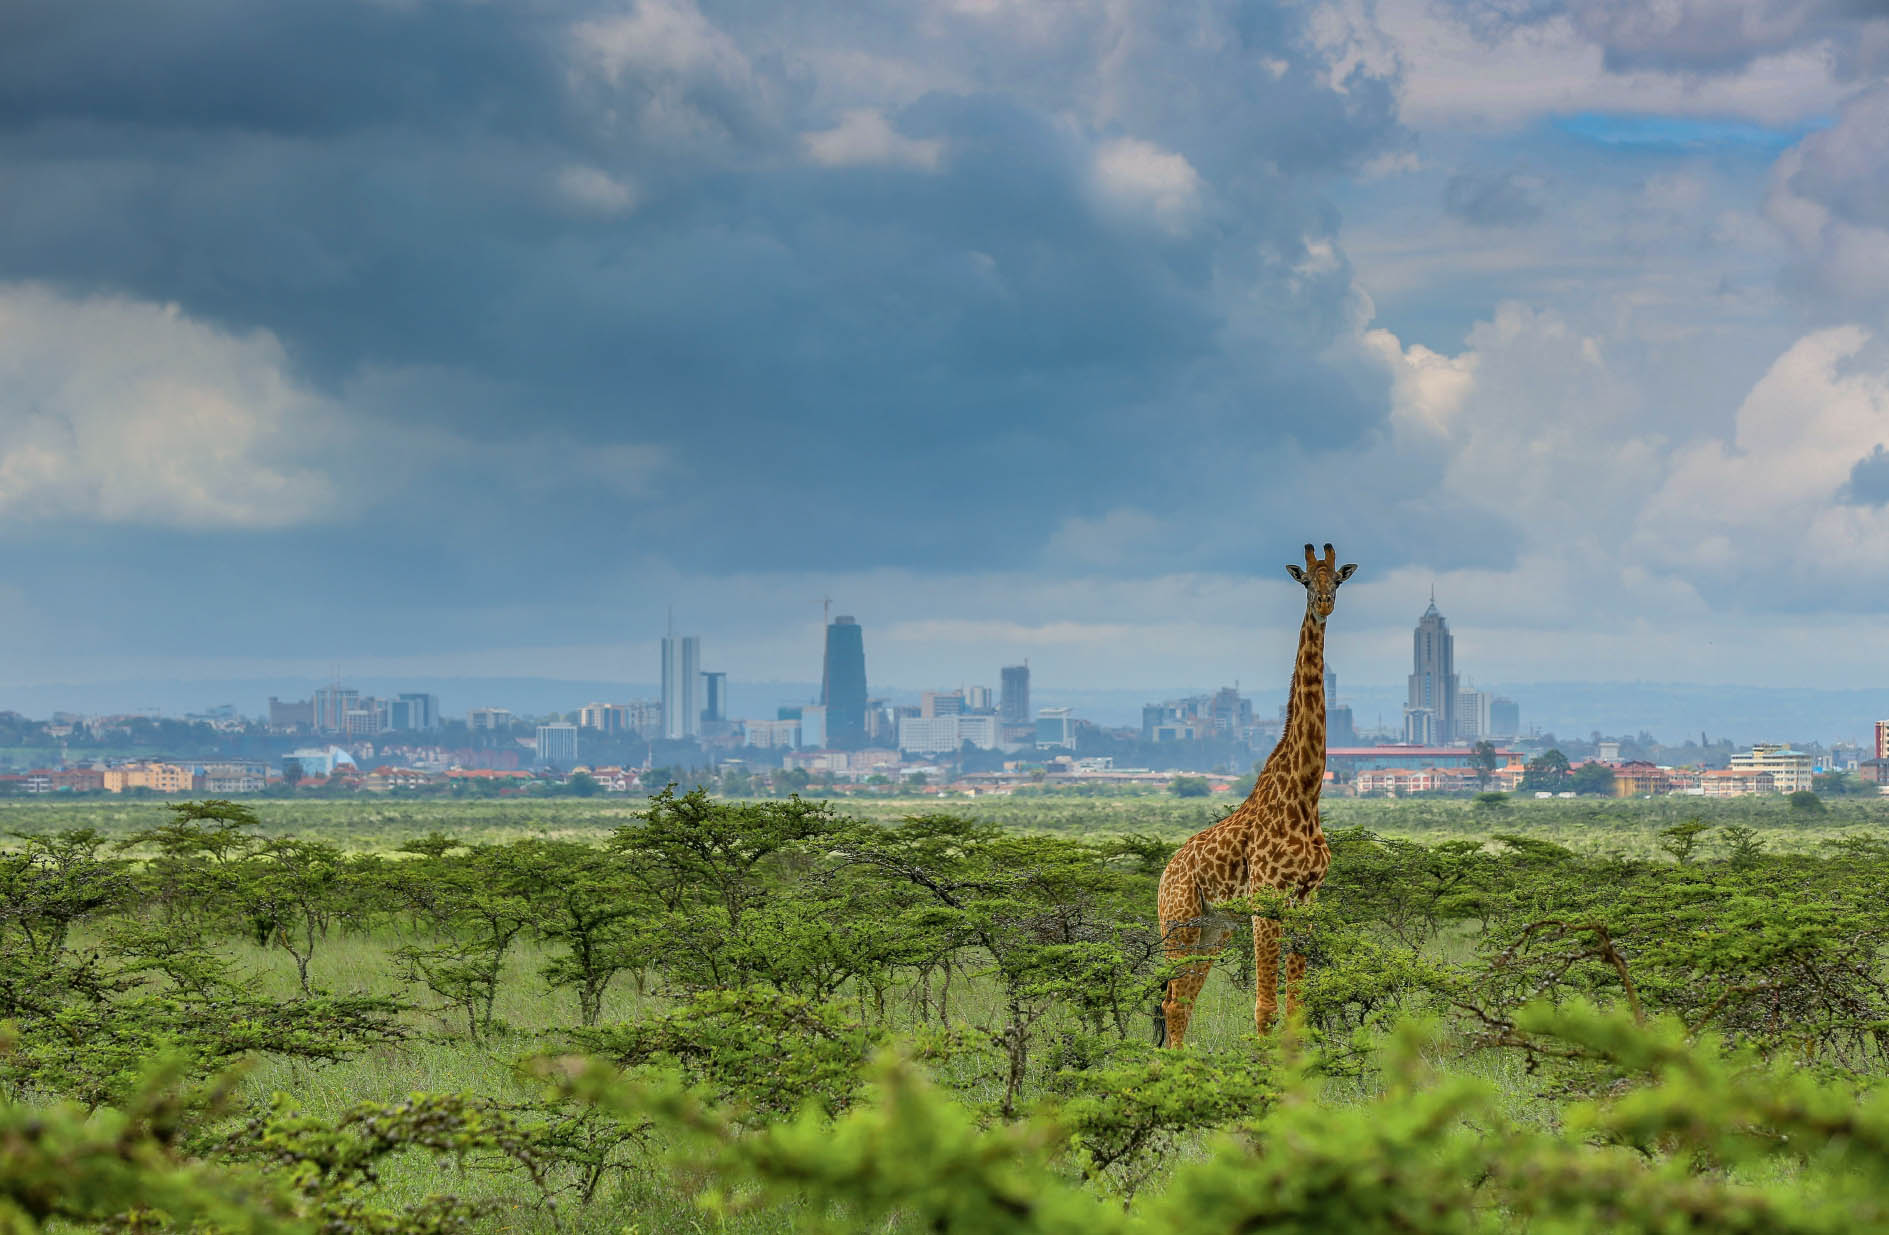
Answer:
(469, 340)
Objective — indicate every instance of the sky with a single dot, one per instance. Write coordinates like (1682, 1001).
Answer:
(441, 337)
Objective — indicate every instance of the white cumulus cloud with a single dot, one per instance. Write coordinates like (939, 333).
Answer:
(865, 136)
(594, 190)
(115, 410)
(1142, 176)
(1766, 502)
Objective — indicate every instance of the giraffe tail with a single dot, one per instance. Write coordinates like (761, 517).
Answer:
(1161, 1015)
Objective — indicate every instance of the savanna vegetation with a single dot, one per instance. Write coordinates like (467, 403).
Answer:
(695, 1014)
(385, 822)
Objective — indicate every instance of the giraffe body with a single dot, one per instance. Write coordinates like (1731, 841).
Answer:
(1273, 840)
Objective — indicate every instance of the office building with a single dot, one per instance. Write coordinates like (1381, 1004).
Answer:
(363, 720)
(681, 687)
(332, 704)
(949, 731)
(772, 733)
(977, 699)
(843, 685)
(1340, 727)
(981, 729)
(882, 723)
(604, 717)
(1505, 719)
(236, 776)
(489, 720)
(291, 715)
(1473, 720)
(940, 703)
(311, 762)
(1055, 729)
(422, 710)
(644, 717)
(410, 713)
(1430, 710)
(557, 746)
(1014, 704)
(1228, 712)
(815, 726)
(714, 701)
(1790, 770)
(928, 735)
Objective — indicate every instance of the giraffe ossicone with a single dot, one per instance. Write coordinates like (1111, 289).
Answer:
(1272, 840)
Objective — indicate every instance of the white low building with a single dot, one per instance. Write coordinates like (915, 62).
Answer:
(1791, 770)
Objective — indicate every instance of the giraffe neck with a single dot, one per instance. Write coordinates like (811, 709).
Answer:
(1297, 764)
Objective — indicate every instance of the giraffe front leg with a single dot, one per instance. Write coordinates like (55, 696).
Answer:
(1295, 962)
(1265, 972)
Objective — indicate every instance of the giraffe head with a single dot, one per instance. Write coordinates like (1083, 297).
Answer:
(1321, 579)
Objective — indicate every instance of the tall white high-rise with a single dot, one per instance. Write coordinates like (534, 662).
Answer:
(681, 686)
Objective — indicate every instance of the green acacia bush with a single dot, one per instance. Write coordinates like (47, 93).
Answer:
(798, 1019)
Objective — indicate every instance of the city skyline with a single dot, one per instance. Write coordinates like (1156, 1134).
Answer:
(1042, 332)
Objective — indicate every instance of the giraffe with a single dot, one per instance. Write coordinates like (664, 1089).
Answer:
(1271, 841)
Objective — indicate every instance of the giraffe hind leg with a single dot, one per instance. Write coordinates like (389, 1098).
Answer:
(1193, 943)
(1177, 1009)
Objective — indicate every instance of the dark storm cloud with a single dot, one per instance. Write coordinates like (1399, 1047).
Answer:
(300, 68)
(494, 233)
(1496, 199)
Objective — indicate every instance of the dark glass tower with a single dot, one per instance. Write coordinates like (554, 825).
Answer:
(715, 697)
(1016, 694)
(843, 685)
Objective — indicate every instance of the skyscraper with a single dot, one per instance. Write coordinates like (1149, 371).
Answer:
(1473, 720)
(681, 686)
(714, 699)
(1015, 706)
(1340, 728)
(843, 685)
(332, 704)
(1430, 711)
(410, 711)
(423, 709)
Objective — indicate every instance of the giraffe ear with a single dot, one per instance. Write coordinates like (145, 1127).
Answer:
(1296, 573)
(1347, 570)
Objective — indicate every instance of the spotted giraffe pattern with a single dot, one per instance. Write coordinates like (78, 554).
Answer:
(1273, 840)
